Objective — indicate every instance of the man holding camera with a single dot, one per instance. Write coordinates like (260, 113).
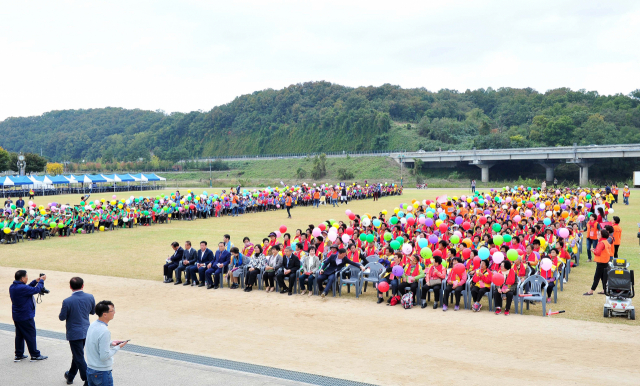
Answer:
(76, 310)
(23, 310)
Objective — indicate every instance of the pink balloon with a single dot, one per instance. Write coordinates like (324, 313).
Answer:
(278, 234)
(498, 257)
(345, 238)
(333, 236)
(517, 218)
(546, 264)
(316, 232)
(406, 249)
(563, 232)
(421, 220)
(347, 212)
(581, 218)
(528, 212)
(114, 196)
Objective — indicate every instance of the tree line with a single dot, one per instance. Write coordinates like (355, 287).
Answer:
(317, 117)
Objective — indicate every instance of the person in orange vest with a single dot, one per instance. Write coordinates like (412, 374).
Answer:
(592, 234)
(625, 194)
(288, 202)
(602, 254)
(614, 192)
(617, 235)
(316, 198)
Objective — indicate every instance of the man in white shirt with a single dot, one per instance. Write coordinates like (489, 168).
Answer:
(99, 348)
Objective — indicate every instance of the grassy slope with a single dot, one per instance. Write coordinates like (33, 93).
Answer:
(140, 252)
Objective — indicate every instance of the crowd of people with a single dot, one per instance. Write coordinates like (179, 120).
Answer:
(30, 221)
(447, 244)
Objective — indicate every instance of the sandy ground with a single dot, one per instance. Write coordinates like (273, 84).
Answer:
(355, 338)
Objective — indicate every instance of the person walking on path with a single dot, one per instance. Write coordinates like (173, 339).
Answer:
(75, 311)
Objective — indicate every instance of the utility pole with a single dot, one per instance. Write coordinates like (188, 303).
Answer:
(210, 180)
(401, 167)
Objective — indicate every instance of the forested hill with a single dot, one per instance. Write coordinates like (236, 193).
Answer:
(320, 116)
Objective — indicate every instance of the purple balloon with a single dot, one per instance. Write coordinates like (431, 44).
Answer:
(487, 212)
(397, 270)
(563, 206)
(588, 205)
(433, 239)
(428, 222)
(459, 220)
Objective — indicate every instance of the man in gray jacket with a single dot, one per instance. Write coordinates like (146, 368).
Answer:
(75, 311)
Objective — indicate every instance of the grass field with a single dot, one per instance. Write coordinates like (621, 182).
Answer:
(139, 253)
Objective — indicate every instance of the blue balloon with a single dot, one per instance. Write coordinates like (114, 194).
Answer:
(442, 216)
(400, 214)
(423, 243)
(547, 221)
(484, 253)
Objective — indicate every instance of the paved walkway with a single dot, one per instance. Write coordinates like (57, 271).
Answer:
(130, 369)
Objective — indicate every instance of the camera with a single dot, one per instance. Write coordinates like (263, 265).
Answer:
(43, 291)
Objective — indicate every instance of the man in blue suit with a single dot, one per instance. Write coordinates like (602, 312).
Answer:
(76, 310)
(173, 262)
(331, 266)
(217, 266)
(204, 257)
(189, 257)
(23, 311)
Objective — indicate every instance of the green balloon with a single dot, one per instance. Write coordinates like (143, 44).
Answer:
(426, 253)
(507, 238)
(52, 224)
(496, 227)
(588, 197)
(395, 244)
(455, 239)
(388, 236)
(370, 238)
(393, 220)
(79, 230)
(430, 214)
(400, 239)
(561, 200)
(363, 237)
(61, 225)
(498, 240)
(512, 255)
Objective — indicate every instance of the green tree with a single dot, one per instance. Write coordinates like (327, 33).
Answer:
(319, 168)
(559, 131)
(417, 167)
(344, 174)
(301, 173)
(5, 158)
(484, 128)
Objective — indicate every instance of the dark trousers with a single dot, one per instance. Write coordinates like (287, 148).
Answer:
(179, 271)
(457, 293)
(26, 331)
(252, 277)
(308, 279)
(292, 280)
(77, 363)
(497, 299)
(330, 279)
(269, 279)
(169, 268)
(591, 244)
(477, 293)
(436, 292)
(615, 249)
(215, 271)
(402, 287)
(550, 285)
(192, 272)
(201, 272)
(600, 275)
(289, 211)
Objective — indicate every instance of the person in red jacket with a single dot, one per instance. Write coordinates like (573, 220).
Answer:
(482, 280)
(507, 290)
(433, 281)
(455, 284)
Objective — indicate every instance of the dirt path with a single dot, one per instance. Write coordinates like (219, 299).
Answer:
(355, 338)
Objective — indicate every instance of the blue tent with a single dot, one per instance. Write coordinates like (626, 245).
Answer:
(152, 177)
(21, 180)
(125, 178)
(97, 178)
(58, 179)
(5, 181)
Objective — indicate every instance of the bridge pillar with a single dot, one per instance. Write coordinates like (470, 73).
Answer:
(484, 168)
(584, 170)
(550, 168)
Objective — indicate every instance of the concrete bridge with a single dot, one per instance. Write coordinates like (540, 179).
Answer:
(549, 157)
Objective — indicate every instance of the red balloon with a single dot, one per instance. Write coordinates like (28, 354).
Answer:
(428, 202)
(466, 253)
(482, 220)
(352, 216)
(283, 229)
(383, 286)
(443, 228)
(437, 252)
(466, 225)
(475, 199)
(529, 205)
(493, 250)
(497, 280)
(411, 221)
(476, 262)
(458, 269)
(349, 231)
(322, 226)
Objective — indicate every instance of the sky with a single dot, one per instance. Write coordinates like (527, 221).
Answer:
(193, 55)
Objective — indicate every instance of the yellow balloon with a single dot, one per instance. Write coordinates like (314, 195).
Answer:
(438, 222)
(416, 205)
(432, 205)
(396, 210)
(102, 200)
(336, 225)
(7, 230)
(455, 198)
(101, 228)
(119, 206)
(469, 199)
(384, 212)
